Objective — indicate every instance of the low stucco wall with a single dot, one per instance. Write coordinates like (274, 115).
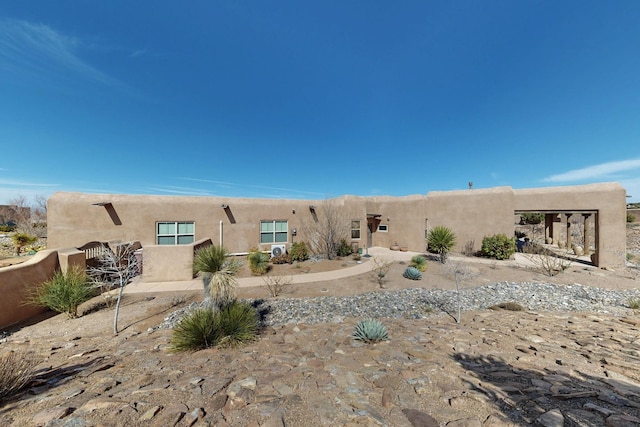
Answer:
(168, 263)
(16, 281)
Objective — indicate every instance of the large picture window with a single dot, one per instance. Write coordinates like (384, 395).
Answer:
(274, 231)
(355, 229)
(175, 233)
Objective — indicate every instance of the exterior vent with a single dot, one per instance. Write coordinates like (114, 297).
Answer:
(277, 250)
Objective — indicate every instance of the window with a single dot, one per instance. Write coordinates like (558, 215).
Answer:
(355, 229)
(383, 228)
(175, 233)
(274, 231)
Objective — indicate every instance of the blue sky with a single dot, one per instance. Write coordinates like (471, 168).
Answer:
(298, 99)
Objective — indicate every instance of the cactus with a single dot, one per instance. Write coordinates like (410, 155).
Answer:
(412, 273)
(370, 330)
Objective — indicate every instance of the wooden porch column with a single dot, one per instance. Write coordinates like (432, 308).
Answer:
(587, 236)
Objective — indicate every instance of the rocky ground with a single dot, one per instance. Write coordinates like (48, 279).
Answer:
(545, 367)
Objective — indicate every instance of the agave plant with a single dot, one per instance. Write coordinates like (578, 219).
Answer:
(370, 331)
(412, 273)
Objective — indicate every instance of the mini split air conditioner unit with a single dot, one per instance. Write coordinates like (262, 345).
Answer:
(277, 250)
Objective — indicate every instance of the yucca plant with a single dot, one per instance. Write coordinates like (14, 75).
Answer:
(218, 272)
(64, 292)
(21, 240)
(441, 240)
(412, 273)
(258, 263)
(419, 262)
(232, 325)
(370, 331)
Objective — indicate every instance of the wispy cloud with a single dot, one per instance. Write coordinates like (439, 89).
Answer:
(259, 187)
(609, 170)
(39, 49)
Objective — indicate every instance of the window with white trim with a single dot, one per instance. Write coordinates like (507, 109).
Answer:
(355, 229)
(274, 231)
(175, 232)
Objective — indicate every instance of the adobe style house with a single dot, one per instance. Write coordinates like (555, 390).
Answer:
(167, 226)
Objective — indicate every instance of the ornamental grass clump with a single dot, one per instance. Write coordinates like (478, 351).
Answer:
(229, 326)
(16, 371)
(258, 263)
(64, 292)
(412, 273)
(419, 262)
(370, 331)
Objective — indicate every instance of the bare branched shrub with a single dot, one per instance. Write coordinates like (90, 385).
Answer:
(328, 226)
(380, 270)
(461, 273)
(469, 248)
(545, 260)
(277, 284)
(16, 371)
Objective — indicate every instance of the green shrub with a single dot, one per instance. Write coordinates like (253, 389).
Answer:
(531, 217)
(299, 251)
(370, 331)
(258, 263)
(630, 217)
(218, 272)
(281, 259)
(232, 325)
(64, 292)
(633, 303)
(211, 259)
(16, 371)
(5, 228)
(498, 246)
(412, 273)
(419, 262)
(441, 240)
(344, 249)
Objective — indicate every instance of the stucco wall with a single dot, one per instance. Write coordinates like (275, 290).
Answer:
(17, 281)
(76, 218)
(472, 214)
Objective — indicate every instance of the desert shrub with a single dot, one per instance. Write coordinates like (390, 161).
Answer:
(209, 259)
(370, 331)
(344, 249)
(232, 325)
(16, 371)
(222, 287)
(63, 292)
(419, 262)
(21, 240)
(498, 246)
(4, 228)
(412, 273)
(356, 256)
(276, 284)
(630, 217)
(510, 306)
(634, 303)
(258, 263)
(469, 248)
(281, 259)
(441, 240)
(218, 272)
(381, 269)
(299, 251)
(531, 217)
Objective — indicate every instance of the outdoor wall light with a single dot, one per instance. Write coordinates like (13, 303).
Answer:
(101, 204)
(224, 206)
(312, 208)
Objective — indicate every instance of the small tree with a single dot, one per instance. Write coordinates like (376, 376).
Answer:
(380, 270)
(116, 268)
(441, 240)
(327, 228)
(218, 271)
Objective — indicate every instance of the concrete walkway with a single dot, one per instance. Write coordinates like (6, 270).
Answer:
(520, 260)
(196, 284)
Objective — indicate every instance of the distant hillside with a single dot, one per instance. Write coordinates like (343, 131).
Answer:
(633, 205)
